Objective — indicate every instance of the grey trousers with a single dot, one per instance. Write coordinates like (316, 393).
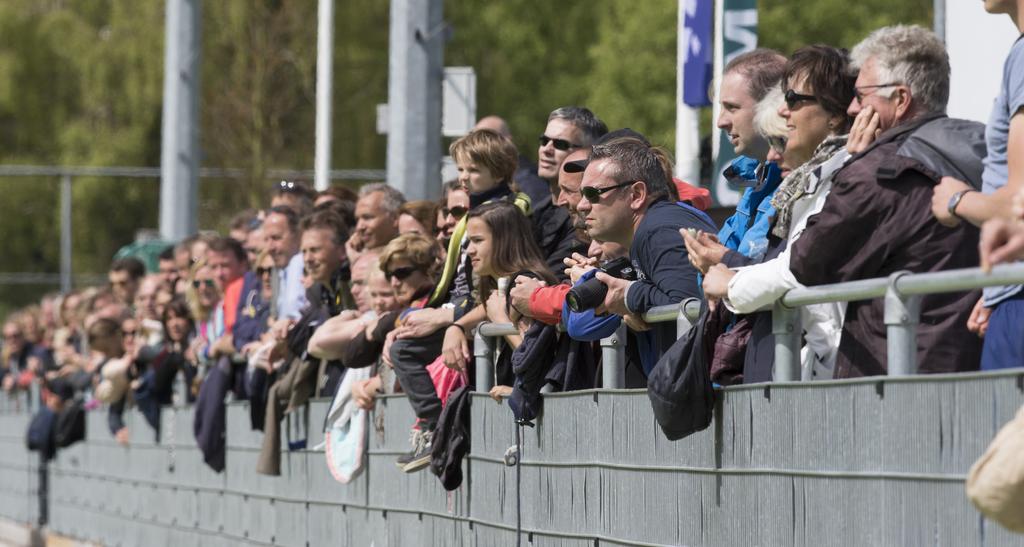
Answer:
(411, 357)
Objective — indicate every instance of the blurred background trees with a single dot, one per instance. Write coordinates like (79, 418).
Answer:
(81, 84)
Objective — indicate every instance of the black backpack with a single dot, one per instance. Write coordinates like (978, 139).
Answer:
(679, 385)
(70, 426)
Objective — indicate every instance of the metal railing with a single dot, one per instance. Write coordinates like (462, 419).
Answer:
(902, 292)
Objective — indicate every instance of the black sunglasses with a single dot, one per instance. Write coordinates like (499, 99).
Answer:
(593, 195)
(560, 144)
(400, 273)
(288, 186)
(792, 98)
(458, 212)
(208, 282)
(260, 272)
(861, 95)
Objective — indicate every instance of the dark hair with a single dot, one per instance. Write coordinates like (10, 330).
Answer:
(513, 246)
(340, 193)
(290, 215)
(301, 190)
(327, 220)
(167, 253)
(103, 327)
(583, 119)
(230, 245)
(297, 187)
(425, 212)
(826, 73)
(243, 220)
(135, 268)
(636, 160)
(762, 67)
(179, 308)
(345, 209)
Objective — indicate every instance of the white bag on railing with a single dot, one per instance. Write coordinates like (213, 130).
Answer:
(995, 483)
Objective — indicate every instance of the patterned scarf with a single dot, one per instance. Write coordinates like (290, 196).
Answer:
(794, 186)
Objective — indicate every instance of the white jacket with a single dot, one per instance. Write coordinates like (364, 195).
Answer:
(757, 287)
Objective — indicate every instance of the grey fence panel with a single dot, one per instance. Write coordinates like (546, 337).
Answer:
(870, 462)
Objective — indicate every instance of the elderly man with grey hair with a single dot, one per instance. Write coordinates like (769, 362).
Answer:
(377, 213)
(877, 218)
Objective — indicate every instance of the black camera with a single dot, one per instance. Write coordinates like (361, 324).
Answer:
(590, 294)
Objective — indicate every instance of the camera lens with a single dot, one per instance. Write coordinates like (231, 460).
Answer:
(586, 296)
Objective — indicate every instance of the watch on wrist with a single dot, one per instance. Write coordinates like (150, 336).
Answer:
(954, 200)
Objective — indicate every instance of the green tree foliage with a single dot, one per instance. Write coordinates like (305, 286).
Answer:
(81, 84)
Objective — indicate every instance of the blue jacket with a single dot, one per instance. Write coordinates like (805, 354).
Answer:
(746, 231)
(587, 326)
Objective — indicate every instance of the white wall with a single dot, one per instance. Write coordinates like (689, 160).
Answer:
(978, 43)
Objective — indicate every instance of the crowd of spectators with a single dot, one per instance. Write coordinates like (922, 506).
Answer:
(851, 170)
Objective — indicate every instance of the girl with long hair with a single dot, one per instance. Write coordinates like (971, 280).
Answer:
(499, 247)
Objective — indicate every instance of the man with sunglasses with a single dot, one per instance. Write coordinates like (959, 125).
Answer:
(626, 194)
(569, 128)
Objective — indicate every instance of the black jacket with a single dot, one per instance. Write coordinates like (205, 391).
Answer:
(451, 441)
(877, 220)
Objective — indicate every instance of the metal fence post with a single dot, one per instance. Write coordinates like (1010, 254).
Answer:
(65, 233)
(683, 322)
(902, 313)
(483, 352)
(788, 330)
(613, 359)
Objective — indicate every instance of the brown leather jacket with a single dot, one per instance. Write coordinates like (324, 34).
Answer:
(877, 221)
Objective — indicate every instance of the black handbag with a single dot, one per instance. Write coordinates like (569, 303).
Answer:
(679, 386)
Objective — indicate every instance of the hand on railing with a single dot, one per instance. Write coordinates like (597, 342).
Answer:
(635, 322)
(455, 349)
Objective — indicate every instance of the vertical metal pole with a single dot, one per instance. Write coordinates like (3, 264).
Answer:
(788, 330)
(939, 18)
(901, 317)
(689, 312)
(415, 73)
(613, 359)
(65, 233)
(179, 153)
(483, 352)
(324, 86)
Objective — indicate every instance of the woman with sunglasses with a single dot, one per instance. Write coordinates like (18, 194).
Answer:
(456, 206)
(818, 88)
(202, 296)
(409, 264)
